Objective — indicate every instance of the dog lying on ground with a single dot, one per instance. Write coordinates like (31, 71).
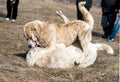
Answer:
(44, 34)
(65, 57)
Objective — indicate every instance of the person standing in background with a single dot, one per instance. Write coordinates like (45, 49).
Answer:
(111, 38)
(109, 13)
(87, 6)
(12, 9)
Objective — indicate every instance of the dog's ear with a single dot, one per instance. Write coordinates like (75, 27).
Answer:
(34, 29)
(39, 27)
(24, 31)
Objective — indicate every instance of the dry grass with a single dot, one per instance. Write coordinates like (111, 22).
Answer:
(13, 46)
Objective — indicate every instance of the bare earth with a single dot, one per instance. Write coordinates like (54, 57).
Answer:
(13, 47)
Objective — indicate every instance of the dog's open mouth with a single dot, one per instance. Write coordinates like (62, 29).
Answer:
(32, 44)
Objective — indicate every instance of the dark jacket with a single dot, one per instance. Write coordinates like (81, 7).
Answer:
(109, 5)
(118, 3)
(88, 2)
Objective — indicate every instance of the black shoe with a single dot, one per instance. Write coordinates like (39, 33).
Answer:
(105, 36)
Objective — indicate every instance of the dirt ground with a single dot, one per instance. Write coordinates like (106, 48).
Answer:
(13, 47)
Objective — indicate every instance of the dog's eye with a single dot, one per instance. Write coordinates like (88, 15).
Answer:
(30, 37)
(33, 29)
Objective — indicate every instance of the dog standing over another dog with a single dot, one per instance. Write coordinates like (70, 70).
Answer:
(44, 34)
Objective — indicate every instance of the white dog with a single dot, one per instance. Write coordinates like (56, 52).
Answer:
(65, 57)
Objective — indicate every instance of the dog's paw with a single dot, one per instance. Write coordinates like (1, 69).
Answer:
(110, 51)
(59, 13)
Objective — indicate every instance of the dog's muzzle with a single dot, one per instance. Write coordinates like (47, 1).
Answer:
(29, 46)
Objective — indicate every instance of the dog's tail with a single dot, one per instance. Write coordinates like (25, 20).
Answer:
(107, 48)
(86, 14)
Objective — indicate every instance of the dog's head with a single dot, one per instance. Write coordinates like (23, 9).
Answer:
(31, 33)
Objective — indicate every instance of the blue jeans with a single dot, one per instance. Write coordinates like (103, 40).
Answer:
(116, 28)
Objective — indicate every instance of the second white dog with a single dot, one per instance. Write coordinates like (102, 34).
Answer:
(65, 57)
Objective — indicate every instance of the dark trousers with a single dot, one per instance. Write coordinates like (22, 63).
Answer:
(12, 9)
(107, 22)
(79, 14)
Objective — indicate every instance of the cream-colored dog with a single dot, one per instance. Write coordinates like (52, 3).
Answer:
(65, 57)
(44, 34)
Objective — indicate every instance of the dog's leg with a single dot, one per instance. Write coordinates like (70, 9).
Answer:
(84, 37)
(52, 39)
(85, 48)
(60, 14)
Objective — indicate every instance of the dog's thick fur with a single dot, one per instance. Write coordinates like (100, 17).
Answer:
(65, 57)
(50, 34)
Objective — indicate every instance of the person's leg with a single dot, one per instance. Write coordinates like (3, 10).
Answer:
(104, 24)
(9, 9)
(115, 31)
(111, 20)
(15, 10)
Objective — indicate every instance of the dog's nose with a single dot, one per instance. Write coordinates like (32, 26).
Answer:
(29, 46)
